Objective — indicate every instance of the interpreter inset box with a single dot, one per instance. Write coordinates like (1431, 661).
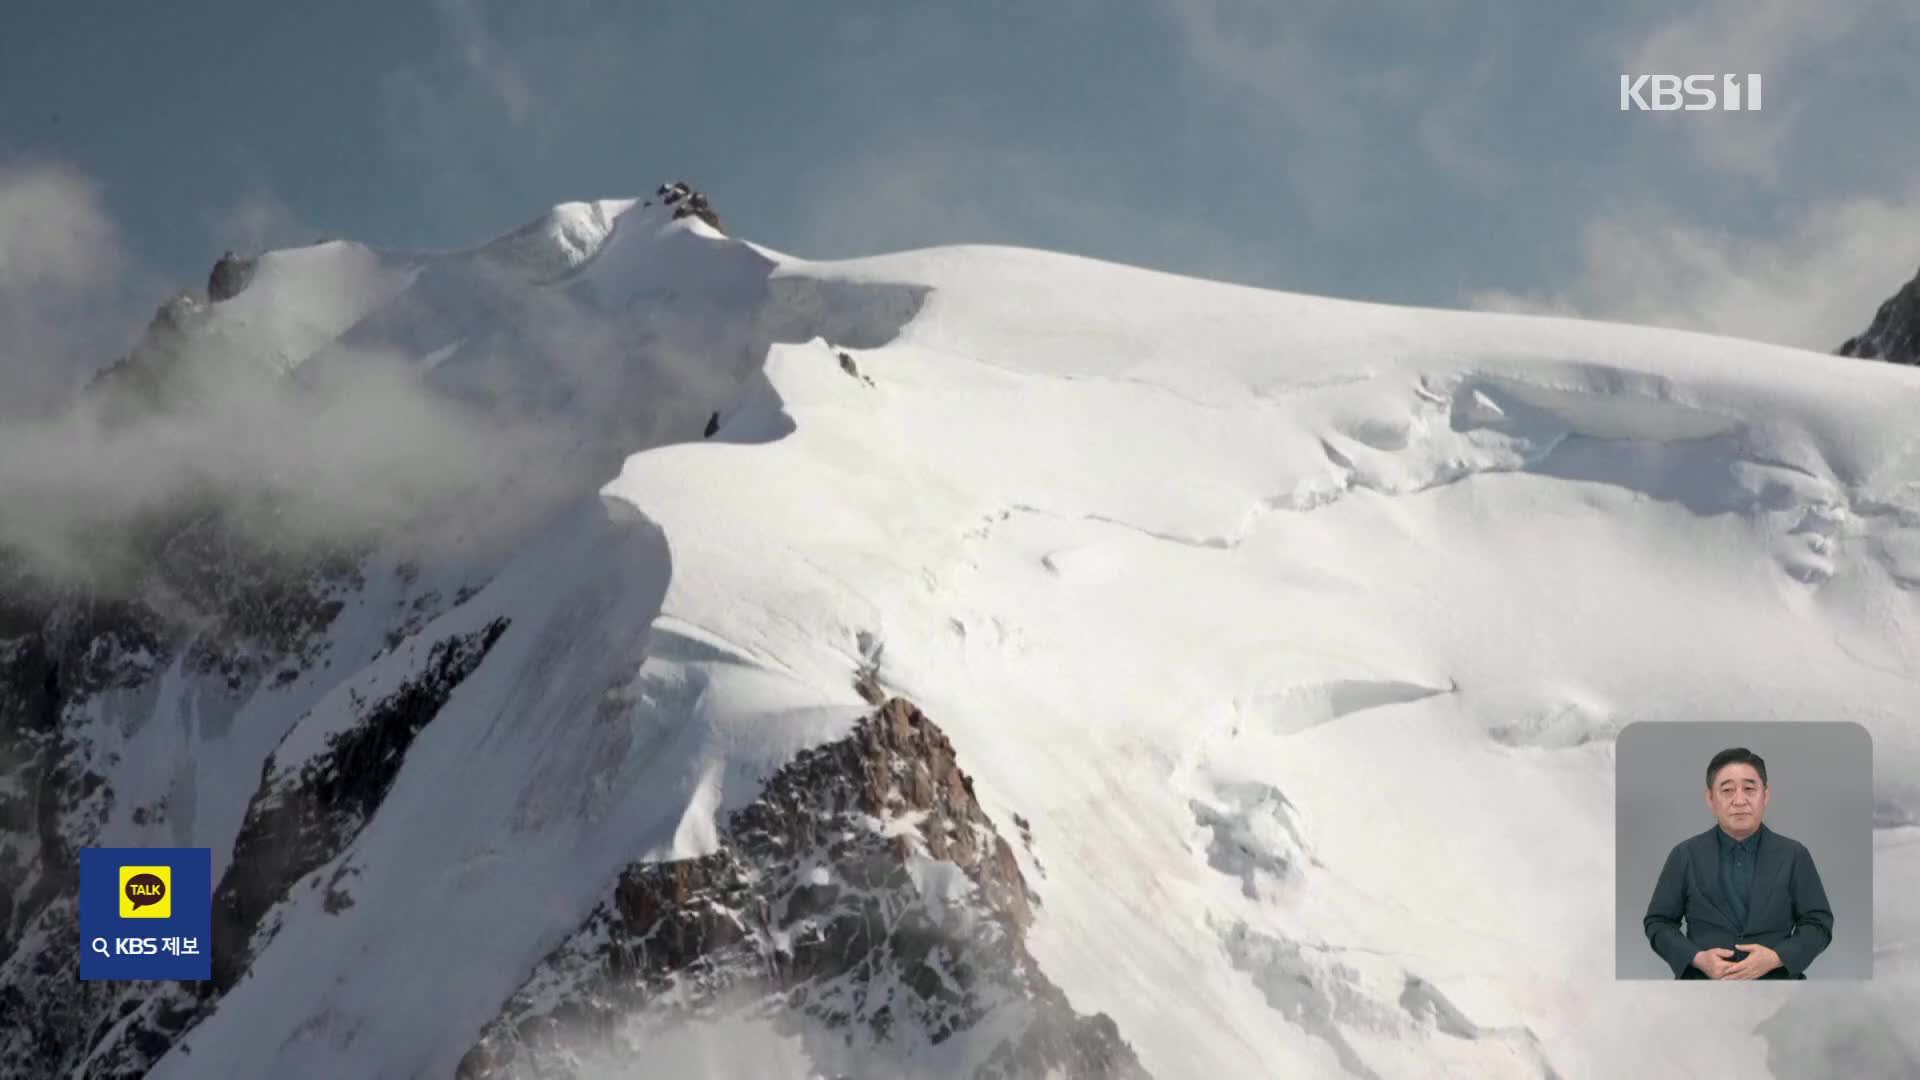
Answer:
(1743, 851)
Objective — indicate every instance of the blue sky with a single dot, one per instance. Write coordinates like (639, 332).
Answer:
(1440, 153)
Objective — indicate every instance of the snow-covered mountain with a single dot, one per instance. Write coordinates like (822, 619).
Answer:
(964, 662)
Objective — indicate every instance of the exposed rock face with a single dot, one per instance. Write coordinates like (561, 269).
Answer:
(229, 276)
(308, 811)
(51, 801)
(304, 815)
(687, 202)
(1894, 334)
(191, 597)
(864, 894)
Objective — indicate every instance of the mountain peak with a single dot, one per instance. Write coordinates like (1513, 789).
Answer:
(571, 234)
(686, 202)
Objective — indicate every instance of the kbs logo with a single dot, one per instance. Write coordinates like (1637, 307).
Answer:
(1693, 93)
(146, 892)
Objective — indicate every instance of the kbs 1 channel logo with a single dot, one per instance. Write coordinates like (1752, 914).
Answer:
(1690, 93)
(146, 913)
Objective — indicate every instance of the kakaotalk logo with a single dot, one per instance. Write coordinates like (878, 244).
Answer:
(1693, 93)
(144, 892)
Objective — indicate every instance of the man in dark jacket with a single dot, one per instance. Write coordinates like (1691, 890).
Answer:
(1750, 898)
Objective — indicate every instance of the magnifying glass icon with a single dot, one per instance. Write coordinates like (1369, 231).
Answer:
(100, 946)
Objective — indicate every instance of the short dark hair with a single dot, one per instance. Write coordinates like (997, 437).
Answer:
(1738, 755)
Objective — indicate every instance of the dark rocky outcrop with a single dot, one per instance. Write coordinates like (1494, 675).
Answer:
(229, 277)
(848, 365)
(687, 202)
(1894, 334)
(821, 909)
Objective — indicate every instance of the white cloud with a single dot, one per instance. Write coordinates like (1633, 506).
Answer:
(54, 230)
(1274, 64)
(1814, 285)
(1796, 47)
(62, 302)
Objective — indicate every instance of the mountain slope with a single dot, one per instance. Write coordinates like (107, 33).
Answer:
(1290, 635)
